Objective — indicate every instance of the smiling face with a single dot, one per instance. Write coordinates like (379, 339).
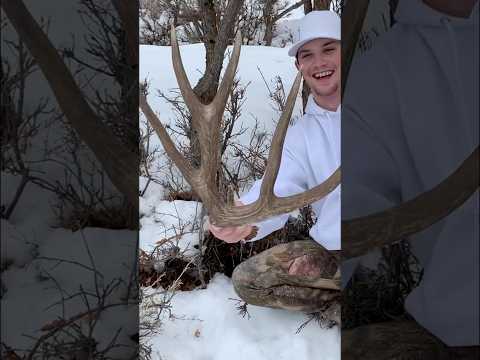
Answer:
(319, 61)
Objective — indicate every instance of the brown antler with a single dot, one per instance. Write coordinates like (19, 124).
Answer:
(206, 120)
(360, 235)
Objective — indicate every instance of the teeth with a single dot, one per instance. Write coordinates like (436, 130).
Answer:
(322, 74)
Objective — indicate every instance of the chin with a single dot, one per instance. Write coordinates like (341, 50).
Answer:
(326, 91)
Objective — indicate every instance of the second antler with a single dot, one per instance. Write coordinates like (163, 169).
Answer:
(206, 119)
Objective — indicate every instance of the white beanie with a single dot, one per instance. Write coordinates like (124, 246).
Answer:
(317, 24)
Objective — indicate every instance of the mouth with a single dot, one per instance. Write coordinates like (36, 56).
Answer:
(321, 75)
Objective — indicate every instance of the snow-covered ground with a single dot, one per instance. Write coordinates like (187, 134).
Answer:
(205, 324)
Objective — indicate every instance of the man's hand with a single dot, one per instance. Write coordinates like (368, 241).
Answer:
(231, 234)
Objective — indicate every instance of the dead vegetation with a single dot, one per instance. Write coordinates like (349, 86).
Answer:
(377, 295)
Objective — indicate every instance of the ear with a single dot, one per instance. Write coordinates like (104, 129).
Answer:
(297, 65)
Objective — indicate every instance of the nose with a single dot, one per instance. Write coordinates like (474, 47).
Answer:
(320, 60)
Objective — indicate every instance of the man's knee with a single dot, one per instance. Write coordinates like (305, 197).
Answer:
(237, 275)
(243, 280)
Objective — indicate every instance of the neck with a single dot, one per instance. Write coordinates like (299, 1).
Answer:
(329, 103)
(457, 8)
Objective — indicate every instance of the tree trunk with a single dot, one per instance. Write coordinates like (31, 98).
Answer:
(269, 22)
(321, 4)
(217, 36)
(393, 7)
(307, 7)
(206, 88)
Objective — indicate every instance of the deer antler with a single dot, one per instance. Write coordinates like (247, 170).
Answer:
(363, 234)
(206, 120)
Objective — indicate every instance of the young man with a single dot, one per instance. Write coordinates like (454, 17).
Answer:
(310, 155)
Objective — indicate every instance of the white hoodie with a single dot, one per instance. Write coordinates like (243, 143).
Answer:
(311, 153)
(410, 117)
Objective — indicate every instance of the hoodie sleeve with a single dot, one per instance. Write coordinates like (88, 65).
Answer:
(290, 181)
(370, 169)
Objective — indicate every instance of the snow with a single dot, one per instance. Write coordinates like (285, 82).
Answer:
(37, 258)
(18, 252)
(205, 324)
(298, 13)
(176, 220)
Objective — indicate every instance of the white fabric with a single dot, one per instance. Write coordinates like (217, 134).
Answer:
(311, 153)
(413, 115)
(315, 25)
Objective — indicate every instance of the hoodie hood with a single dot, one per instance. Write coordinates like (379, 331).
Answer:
(416, 12)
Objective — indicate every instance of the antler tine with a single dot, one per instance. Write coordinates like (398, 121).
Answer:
(210, 125)
(261, 209)
(202, 117)
(226, 85)
(191, 100)
(275, 154)
(184, 167)
(316, 193)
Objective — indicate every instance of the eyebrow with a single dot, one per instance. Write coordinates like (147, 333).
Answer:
(328, 43)
(324, 45)
(304, 51)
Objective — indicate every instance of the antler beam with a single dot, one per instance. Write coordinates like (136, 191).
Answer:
(360, 235)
